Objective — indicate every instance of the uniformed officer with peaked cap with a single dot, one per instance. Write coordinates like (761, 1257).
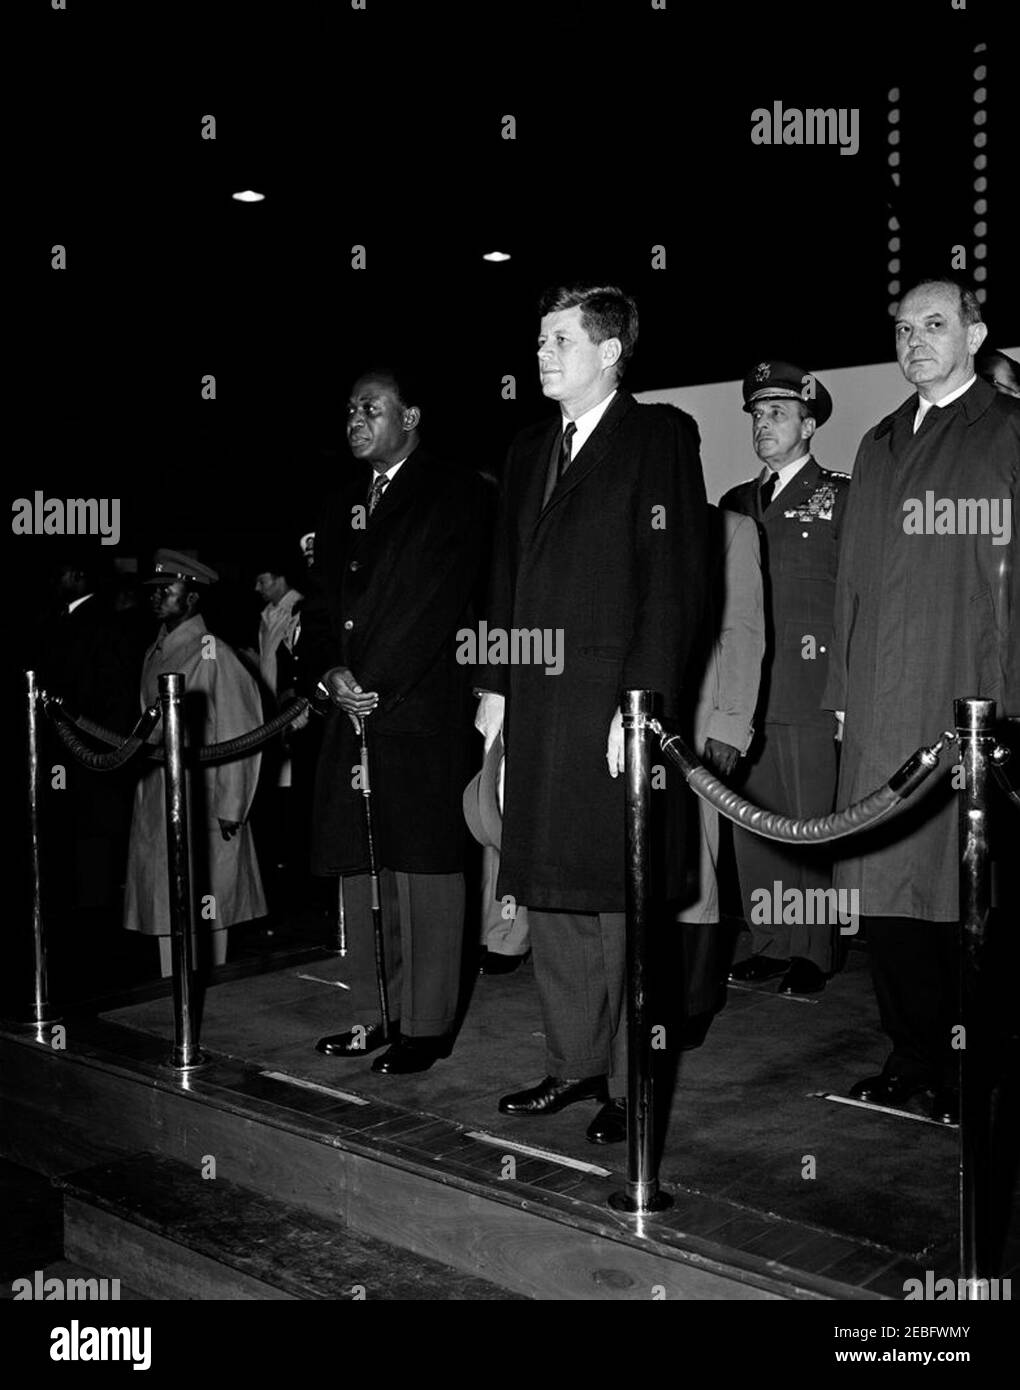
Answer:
(798, 505)
(169, 565)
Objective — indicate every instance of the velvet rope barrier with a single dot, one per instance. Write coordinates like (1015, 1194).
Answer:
(214, 753)
(772, 825)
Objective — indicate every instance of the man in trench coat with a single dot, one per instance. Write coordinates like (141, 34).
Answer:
(925, 612)
(221, 702)
(398, 554)
(602, 547)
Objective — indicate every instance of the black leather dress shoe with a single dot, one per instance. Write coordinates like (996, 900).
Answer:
(408, 1055)
(492, 963)
(757, 968)
(803, 977)
(554, 1093)
(610, 1124)
(945, 1105)
(885, 1089)
(356, 1042)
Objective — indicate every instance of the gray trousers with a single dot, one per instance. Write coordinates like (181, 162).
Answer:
(580, 970)
(502, 934)
(423, 933)
(795, 773)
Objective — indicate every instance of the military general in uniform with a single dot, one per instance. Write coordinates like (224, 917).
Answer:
(798, 505)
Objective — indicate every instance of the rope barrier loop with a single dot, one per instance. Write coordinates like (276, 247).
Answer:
(122, 750)
(772, 825)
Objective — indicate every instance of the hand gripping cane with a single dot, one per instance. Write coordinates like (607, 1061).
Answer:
(373, 870)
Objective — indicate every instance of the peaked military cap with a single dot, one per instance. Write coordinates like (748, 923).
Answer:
(171, 564)
(769, 381)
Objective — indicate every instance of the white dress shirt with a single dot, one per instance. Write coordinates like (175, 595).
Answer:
(786, 473)
(391, 472)
(585, 425)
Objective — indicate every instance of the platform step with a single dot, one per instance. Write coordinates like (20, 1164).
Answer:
(539, 1225)
(167, 1232)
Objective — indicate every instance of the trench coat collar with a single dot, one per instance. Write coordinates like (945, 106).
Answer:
(183, 635)
(900, 423)
(595, 449)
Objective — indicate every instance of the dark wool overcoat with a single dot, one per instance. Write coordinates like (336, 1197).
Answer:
(616, 563)
(394, 593)
(920, 620)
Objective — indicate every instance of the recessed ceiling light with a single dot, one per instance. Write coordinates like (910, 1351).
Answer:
(496, 256)
(248, 196)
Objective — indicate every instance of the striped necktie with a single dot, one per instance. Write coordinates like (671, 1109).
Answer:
(379, 484)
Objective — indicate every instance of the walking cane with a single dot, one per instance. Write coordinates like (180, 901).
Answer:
(341, 918)
(341, 910)
(373, 870)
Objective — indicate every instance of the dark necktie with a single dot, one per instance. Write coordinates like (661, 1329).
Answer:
(767, 491)
(379, 485)
(565, 443)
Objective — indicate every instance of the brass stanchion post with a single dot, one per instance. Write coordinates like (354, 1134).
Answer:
(40, 1013)
(642, 1192)
(185, 1056)
(975, 720)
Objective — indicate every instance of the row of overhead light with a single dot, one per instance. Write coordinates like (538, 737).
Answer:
(979, 248)
(893, 139)
(250, 196)
(980, 166)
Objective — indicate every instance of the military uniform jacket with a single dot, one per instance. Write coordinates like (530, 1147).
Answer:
(800, 535)
(396, 589)
(921, 620)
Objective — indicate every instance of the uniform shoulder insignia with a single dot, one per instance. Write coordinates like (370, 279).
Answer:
(833, 473)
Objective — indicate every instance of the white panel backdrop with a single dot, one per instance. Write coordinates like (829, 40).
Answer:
(861, 397)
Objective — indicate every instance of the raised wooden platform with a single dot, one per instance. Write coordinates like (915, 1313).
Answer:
(174, 1233)
(421, 1183)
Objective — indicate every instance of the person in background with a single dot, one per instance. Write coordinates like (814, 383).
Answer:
(723, 727)
(221, 702)
(999, 370)
(278, 822)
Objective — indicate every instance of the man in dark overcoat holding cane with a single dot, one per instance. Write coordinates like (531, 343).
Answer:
(602, 547)
(398, 553)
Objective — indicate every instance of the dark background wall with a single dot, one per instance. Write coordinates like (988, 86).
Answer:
(383, 128)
